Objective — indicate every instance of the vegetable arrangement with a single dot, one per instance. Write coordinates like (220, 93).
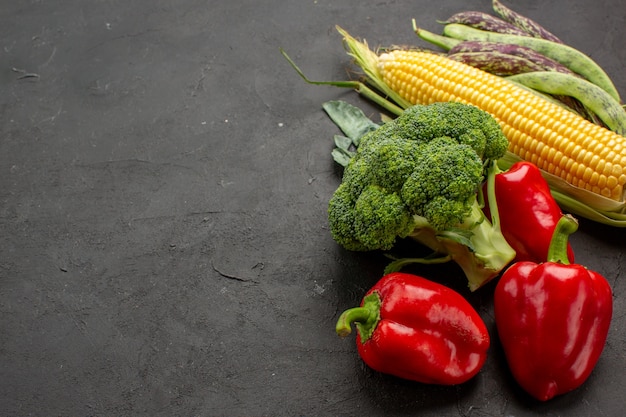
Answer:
(579, 147)
(418, 176)
(581, 155)
(493, 140)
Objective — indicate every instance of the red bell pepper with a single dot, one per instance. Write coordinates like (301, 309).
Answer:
(528, 212)
(419, 330)
(552, 319)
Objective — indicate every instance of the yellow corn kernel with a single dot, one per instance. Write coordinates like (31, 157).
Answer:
(555, 139)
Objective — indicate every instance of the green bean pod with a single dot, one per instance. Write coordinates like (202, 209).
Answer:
(444, 42)
(566, 55)
(593, 97)
(484, 21)
(524, 23)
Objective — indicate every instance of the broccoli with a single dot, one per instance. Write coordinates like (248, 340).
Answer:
(371, 221)
(465, 123)
(421, 176)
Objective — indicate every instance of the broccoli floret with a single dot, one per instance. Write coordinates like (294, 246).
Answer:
(373, 220)
(463, 122)
(393, 158)
(341, 217)
(377, 212)
(420, 176)
(445, 179)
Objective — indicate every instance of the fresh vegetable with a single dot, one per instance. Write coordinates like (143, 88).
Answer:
(596, 99)
(585, 167)
(552, 319)
(566, 55)
(507, 59)
(584, 161)
(484, 21)
(498, 63)
(498, 54)
(416, 329)
(444, 42)
(528, 212)
(529, 26)
(418, 176)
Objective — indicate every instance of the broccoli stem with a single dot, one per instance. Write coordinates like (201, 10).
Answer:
(478, 245)
(487, 255)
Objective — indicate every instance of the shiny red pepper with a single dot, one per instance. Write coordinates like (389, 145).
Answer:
(552, 319)
(417, 329)
(528, 212)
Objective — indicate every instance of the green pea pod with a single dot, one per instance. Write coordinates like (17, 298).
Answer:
(593, 97)
(566, 55)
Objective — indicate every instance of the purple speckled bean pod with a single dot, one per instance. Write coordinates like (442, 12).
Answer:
(572, 58)
(497, 63)
(529, 26)
(484, 21)
(505, 51)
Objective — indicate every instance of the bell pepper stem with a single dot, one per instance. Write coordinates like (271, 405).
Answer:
(356, 314)
(557, 252)
(366, 318)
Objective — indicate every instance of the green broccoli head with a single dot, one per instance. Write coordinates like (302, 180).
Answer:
(391, 181)
(444, 182)
(418, 176)
(465, 123)
(427, 164)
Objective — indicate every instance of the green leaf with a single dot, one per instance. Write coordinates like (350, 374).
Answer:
(350, 119)
(342, 156)
(343, 142)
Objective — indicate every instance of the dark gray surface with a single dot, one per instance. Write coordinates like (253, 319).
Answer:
(163, 188)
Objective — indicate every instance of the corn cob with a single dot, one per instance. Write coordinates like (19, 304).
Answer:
(560, 142)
